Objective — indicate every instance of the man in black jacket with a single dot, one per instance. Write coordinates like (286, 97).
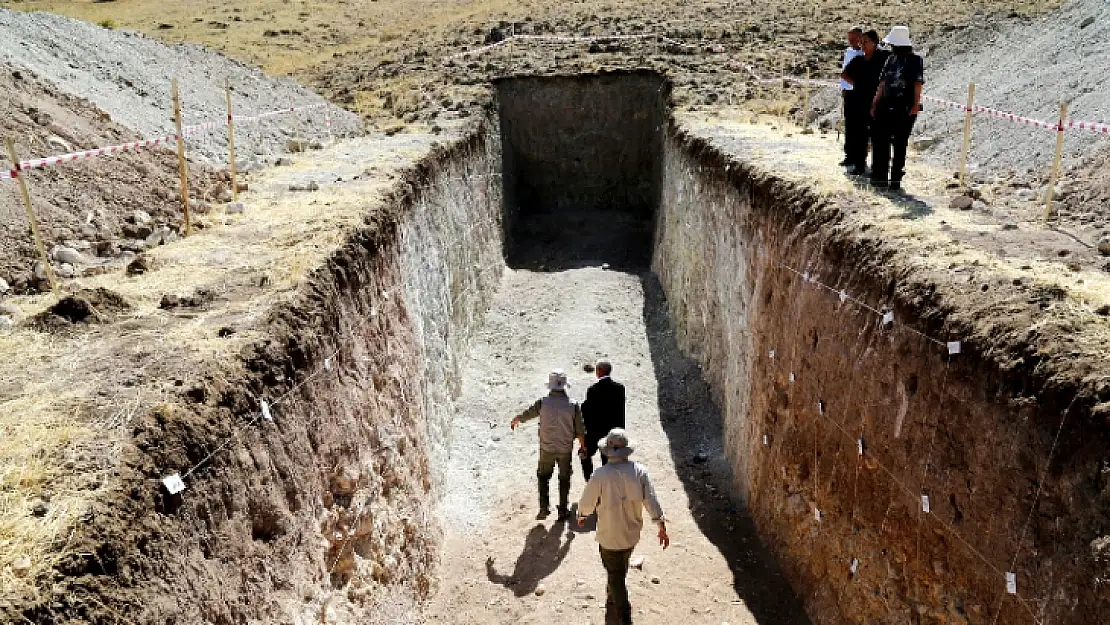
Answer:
(602, 411)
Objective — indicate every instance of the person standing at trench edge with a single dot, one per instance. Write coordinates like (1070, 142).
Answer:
(863, 72)
(602, 411)
(560, 425)
(894, 109)
(619, 492)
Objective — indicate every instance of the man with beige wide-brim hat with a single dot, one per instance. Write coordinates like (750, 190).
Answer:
(895, 107)
(618, 492)
(560, 425)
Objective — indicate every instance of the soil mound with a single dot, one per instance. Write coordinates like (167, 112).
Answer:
(127, 75)
(87, 306)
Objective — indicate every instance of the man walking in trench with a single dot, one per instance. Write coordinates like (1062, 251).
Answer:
(560, 424)
(618, 492)
(602, 411)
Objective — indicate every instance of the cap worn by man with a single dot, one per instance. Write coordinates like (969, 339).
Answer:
(560, 425)
(619, 492)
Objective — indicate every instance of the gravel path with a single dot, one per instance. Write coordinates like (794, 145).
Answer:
(128, 76)
(500, 565)
(1024, 67)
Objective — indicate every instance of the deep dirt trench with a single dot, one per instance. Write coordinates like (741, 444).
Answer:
(499, 564)
(631, 236)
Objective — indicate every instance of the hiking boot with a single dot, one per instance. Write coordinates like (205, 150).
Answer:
(895, 185)
(564, 513)
(543, 514)
(857, 170)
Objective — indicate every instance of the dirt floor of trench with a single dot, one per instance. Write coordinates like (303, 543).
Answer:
(501, 565)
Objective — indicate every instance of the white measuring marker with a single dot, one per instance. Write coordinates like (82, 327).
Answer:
(1011, 583)
(817, 513)
(855, 566)
(888, 317)
(859, 445)
(766, 441)
(843, 296)
(954, 347)
(327, 364)
(791, 377)
(266, 414)
(173, 484)
(925, 504)
(805, 276)
(771, 354)
(821, 406)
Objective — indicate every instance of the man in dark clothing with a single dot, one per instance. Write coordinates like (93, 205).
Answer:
(863, 73)
(602, 411)
(895, 108)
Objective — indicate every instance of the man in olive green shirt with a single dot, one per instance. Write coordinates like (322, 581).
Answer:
(560, 425)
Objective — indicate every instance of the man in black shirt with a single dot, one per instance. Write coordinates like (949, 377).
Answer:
(602, 411)
(863, 72)
(895, 108)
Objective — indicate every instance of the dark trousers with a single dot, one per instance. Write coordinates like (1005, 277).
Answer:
(857, 130)
(588, 462)
(544, 472)
(890, 134)
(617, 608)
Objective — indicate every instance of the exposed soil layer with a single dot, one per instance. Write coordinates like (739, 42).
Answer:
(1006, 439)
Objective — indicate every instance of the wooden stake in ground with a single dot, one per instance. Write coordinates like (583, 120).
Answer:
(18, 173)
(805, 102)
(1055, 177)
(967, 135)
(231, 143)
(512, 34)
(183, 166)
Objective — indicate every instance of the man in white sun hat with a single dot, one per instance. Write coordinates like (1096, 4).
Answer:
(895, 107)
(619, 491)
(560, 425)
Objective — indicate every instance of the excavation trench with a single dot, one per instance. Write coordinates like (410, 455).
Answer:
(588, 223)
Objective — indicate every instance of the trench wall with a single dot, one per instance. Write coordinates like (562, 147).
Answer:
(325, 514)
(812, 373)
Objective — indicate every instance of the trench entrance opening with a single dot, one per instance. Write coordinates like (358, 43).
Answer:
(582, 160)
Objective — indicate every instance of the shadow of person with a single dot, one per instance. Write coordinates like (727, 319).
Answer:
(543, 552)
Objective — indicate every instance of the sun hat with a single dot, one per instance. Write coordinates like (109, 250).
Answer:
(899, 36)
(616, 444)
(557, 380)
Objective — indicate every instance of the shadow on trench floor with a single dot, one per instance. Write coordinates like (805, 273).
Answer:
(577, 239)
(693, 423)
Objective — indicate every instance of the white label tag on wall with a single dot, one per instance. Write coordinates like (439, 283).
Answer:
(820, 406)
(327, 364)
(859, 445)
(817, 514)
(173, 484)
(766, 441)
(855, 566)
(925, 504)
(771, 354)
(791, 377)
(888, 317)
(953, 348)
(266, 411)
(805, 276)
(843, 296)
(1011, 583)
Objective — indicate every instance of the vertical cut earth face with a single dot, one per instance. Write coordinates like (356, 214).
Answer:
(583, 166)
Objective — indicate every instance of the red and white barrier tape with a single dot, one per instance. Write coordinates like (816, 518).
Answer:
(48, 161)
(1026, 121)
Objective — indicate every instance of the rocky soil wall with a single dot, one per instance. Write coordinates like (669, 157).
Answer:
(803, 375)
(325, 513)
